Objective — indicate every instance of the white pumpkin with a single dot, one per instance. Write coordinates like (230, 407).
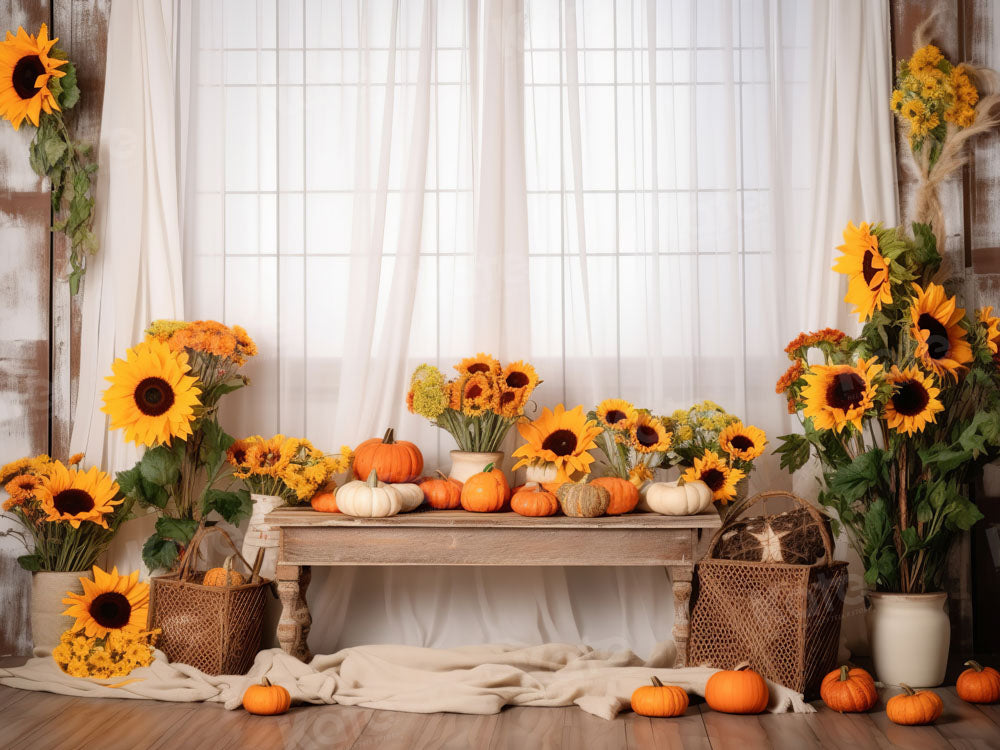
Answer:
(674, 498)
(411, 494)
(370, 499)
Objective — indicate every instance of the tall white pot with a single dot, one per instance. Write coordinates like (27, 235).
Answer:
(466, 463)
(909, 635)
(261, 536)
(47, 592)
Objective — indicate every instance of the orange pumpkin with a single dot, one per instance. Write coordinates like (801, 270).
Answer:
(392, 461)
(914, 707)
(485, 492)
(224, 576)
(441, 492)
(266, 699)
(534, 501)
(325, 502)
(736, 691)
(978, 684)
(624, 494)
(659, 700)
(849, 690)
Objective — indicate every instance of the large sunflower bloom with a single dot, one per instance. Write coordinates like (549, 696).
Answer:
(267, 456)
(559, 437)
(26, 68)
(868, 286)
(616, 414)
(479, 394)
(914, 401)
(520, 375)
(649, 435)
(838, 395)
(483, 363)
(151, 395)
(717, 474)
(110, 603)
(75, 496)
(941, 343)
(743, 441)
(511, 402)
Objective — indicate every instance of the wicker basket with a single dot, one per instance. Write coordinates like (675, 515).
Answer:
(782, 619)
(214, 628)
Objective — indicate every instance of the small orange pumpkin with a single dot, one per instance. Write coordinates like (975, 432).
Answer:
(224, 576)
(441, 492)
(659, 700)
(534, 501)
(485, 492)
(624, 494)
(914, 707)
(393, 461)
(978, 684)
(736, 691)
(325, 502)
(849, 690)
(266, 699)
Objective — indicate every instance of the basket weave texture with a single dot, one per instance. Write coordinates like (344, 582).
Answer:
(214, 628)
(781, 618)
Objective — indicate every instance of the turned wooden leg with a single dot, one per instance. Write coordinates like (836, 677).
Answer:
(302, 613)
(680, 580)
(293, 611)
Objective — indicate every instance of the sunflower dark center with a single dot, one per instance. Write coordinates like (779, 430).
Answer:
(479, 367)
(742, 443)
(506, 397)
(475, 391)
(154, 396)
(868, 269)
(240, 456)
(845, 391)
(111, 610)
(26, 72)
(910, 398)
(714, 478)
(517, 380)
(614, 416)
(560, 442)
(646, 435)
(937, 338)
(72, 501)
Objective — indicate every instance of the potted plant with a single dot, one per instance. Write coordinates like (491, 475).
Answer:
(633, 441)
(165, 395)
(70, 516)
(477, 408)
(900, 419)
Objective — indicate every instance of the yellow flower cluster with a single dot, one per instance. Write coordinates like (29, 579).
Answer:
(707, 432)
(114, 655)
(483, 386)
(23, 478)
(205, 337)
(930, 92)
(286, 466)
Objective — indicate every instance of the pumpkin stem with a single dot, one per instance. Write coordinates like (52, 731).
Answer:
(265, 682)
(488, 468)
(390, 436)
(843, 672)
(907, 689)
(656, 681)
(372, 479)
(442, 475)
(741, 667)
(974, 664)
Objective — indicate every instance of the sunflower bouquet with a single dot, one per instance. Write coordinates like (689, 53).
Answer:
(70, 515)
(633, 441)
(109, 636)
(165, 395)
(557, 445)
(289, 468)
(714, 446)
(901, 417)
(38, 84)
(477, 408)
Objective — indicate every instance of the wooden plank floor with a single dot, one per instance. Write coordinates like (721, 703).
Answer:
(40, 721)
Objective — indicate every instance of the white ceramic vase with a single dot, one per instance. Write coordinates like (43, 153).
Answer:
(47, 592)
(466, 463)
(909, 636)
(261, 536)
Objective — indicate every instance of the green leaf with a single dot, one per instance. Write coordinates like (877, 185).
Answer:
(134, 485)
(178, 529)
(161, 466)
(55, 149)
(32, 563)
(232, 506)
(924, 512)
(214, 445)
(794, 452)
(159, 553)
(962, 514)
(69, 93)
(865, 475)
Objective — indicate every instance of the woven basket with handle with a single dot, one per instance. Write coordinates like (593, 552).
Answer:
(782, 618)
(214, 628)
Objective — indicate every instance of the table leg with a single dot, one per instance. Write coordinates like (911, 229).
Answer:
(680, 581)
(293, 627)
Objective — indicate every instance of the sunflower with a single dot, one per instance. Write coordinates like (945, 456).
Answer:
(483, 363)
(73, 495)
(717, 474)
(914, 401)
(992, 326)
(478, 394)
(742, 441)
(941, 343)
(511, 401)
(150, 394)
(616, 414)
(649, 434)
(518, 375)
(837, 395)
(236, 454)
(868, 286)
(559, 437)
(267, 456)
(110, 603)
(26, 67)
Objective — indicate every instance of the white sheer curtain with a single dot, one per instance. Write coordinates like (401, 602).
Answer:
(363, 197)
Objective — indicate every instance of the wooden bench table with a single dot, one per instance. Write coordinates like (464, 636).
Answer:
(458, 537)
